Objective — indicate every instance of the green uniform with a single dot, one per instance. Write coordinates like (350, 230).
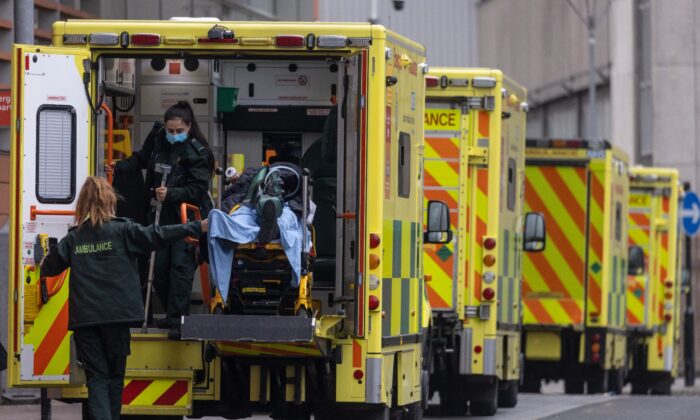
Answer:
(104, 297)
(187, 182)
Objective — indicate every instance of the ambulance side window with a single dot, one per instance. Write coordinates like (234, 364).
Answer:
(511, 184)
(55, 154)
(618, 221)
(404, 164)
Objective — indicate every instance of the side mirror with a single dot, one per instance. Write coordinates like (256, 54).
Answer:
(635, 267)
(535, 236)
(438, 231)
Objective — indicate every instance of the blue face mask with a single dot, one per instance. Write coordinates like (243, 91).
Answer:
(176, 138)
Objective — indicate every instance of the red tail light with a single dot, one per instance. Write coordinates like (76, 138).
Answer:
(668, 284)
(595, 357)
(358, 374)
(374, 240)
(145, 39)
(488, 293)
(431, 81)
(667, 317)
(477, 349)
(373, 303)
(489, 243)
(289, 41)
(596, 337)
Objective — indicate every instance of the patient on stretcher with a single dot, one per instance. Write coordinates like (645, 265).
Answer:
(264, 205)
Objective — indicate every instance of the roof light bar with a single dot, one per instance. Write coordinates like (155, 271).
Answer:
(147, 40)
(483, 82)
(104, 38)
(289, 41)
(359, 42)
(75, 39)
(332, 41)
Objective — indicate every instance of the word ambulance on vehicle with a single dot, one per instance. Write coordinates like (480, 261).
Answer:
(353, 93)
(574, 312)
(653, 281)
(475, 162)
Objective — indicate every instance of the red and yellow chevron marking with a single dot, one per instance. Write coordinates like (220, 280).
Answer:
(441, 182)
(595, 246)
(553, 280)
(638, 233)
(156, 392)
(50, 337)
(228, 348)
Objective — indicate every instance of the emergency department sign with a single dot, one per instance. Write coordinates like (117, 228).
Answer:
(4, 108)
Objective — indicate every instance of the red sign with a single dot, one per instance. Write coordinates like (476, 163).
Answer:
(4, 108)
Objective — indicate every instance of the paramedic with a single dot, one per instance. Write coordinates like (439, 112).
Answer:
(181, 145)
(103, 301)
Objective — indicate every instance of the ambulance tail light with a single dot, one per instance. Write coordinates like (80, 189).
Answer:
(145, 40)
(489, 243)
(595, 357)
(102, 38)
(667, 317)
(289, 41)
(332, 41)
(374, 240)
(488, 293)
(358, 374)
(431, 81)
(668, 284)
(374, 261)
(373, 303)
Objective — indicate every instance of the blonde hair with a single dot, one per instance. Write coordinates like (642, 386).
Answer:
(96, 203)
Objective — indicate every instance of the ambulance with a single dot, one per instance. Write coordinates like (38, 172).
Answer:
(574, 312)
(355, 92)
(475, 162)
(653, 281)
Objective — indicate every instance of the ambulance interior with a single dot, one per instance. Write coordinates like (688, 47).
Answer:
(249, 109)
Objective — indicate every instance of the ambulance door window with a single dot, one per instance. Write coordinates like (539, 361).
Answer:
(55, 148)
(404, 164)
(618, 221)
(511, 184)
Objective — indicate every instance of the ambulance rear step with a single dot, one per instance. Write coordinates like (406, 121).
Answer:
(249, 328)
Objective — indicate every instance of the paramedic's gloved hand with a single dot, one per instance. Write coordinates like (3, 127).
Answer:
(109, 168)
(161, 192)
(205, 225)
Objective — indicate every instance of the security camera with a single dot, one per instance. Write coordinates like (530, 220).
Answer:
(398, 4)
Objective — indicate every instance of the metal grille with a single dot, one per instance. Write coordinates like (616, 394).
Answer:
(55, 157)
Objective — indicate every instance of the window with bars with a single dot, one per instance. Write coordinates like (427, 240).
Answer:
(55, 157)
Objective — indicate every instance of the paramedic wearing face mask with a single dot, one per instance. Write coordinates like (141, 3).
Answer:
(181, 145)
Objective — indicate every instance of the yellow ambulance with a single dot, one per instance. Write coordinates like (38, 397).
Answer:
(354, 91)
(475, 162)
(653, 281)
(574, 320)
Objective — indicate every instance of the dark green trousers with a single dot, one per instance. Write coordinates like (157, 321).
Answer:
(103, 350)
(174, 272)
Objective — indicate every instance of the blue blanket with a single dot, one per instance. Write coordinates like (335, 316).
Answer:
(242, 227)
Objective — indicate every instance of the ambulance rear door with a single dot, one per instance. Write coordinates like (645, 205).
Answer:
(50, 160)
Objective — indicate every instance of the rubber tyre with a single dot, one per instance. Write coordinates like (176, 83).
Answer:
(573, 387)
(598, 385)
(638, 389)
(508, 394)
(413, 412)
(616, 381)
(483, 408)
(531, 386)
(452, 403)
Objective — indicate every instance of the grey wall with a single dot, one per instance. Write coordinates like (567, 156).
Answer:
(447, 28)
